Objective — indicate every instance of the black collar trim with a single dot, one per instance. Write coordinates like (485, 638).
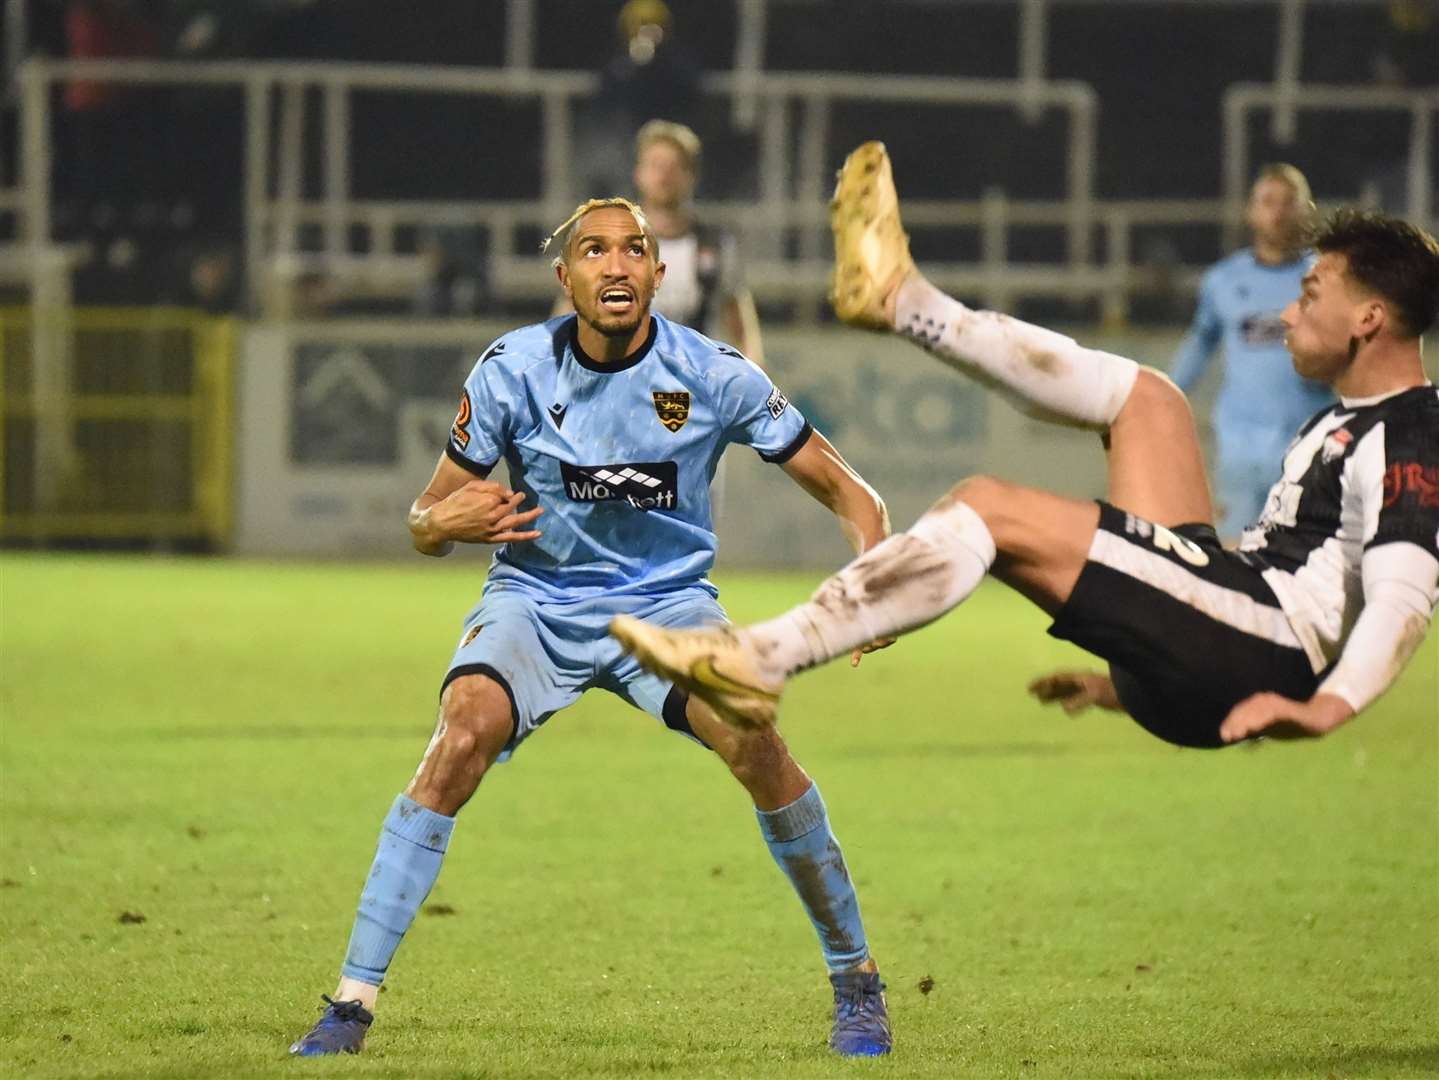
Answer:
(617, 365)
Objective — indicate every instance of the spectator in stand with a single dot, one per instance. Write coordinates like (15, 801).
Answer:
(652, 75)
(1405, 56)
(1410, 45)
(114, 127)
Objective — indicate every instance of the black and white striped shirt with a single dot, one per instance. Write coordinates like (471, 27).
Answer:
(1349, 538)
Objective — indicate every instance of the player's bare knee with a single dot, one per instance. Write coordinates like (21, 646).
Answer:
(475, 719)
(987, 496)
(1155, 395)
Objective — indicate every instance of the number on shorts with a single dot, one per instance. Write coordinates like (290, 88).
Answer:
(1187, 550)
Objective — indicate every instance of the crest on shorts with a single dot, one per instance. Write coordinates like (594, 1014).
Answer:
(672, 407)
(473, 633)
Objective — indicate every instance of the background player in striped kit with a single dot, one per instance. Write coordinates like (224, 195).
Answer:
(1262, 400)
(704, 278)
(610, 423)
(1292, 636)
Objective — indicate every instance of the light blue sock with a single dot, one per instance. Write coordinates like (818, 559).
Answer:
(800, 840)
(412, 846)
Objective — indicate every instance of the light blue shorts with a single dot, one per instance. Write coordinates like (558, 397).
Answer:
(545, 654)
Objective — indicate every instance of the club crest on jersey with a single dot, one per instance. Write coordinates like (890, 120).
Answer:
(672, 407)
(1335, 444)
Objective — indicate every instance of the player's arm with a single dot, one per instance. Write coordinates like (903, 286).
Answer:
(459, 505)
(741, 325)
(1075, 691)
(739, 319)
(1196, 351)
(1399, 499)
(820, 470)
(1401, 584)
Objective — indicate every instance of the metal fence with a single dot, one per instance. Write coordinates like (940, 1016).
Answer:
(357, 237)
(125, 435)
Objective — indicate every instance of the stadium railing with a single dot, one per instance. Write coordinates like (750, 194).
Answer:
(1284, 101)
(276, 212)
(122, 431)
(793, 155)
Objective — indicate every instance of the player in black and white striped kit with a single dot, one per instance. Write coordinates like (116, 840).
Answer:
(1329, 596)
(1350, 534)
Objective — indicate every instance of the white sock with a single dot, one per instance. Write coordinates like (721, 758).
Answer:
(367, 994)
(907, 581)
(1044, 374)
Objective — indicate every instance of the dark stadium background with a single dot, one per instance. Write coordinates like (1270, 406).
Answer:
(231, 345)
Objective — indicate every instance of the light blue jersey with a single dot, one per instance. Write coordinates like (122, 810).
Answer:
(1262, 401)
(620, 455)
(1240, 300)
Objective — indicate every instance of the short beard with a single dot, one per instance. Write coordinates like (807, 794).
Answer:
(618, 330)
(1322, 366)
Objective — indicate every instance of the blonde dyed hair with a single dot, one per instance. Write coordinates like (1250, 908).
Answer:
(679, 136)
(571, 223)
(1289, 174)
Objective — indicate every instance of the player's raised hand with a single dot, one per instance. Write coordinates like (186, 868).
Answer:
(486, 512)
(1075, 691)
(874, 646)
(1278, 717)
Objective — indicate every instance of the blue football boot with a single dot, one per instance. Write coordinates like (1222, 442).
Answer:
(341, 1030)
(861, 1018)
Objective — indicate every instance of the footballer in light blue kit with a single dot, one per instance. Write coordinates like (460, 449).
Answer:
(611, 423)
(1262, 401)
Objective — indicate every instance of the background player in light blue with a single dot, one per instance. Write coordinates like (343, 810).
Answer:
(1262, 401)
(611, 423)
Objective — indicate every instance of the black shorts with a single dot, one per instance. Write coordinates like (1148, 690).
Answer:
(1189, 629)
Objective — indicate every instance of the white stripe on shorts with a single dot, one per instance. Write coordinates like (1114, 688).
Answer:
(1228, 606)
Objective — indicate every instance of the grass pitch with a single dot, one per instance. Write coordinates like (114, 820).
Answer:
(197, 756)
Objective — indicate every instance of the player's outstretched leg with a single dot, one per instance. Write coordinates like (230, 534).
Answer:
(795, 824)
(474, 725)
(909, 580)
(407, 861)
(1156, 467)
(875, 285)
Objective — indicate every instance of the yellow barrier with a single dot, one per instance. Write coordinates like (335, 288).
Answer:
(124, 433)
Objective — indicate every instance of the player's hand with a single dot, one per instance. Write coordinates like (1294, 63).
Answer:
(484, 512)
(1076, 691)
(1278, 717)
(873, 646)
